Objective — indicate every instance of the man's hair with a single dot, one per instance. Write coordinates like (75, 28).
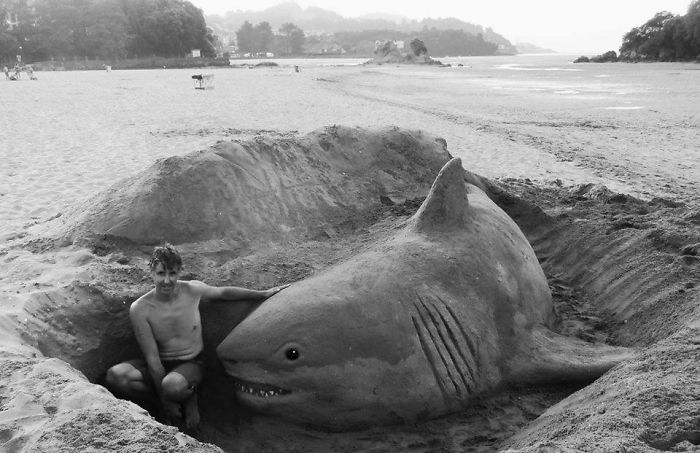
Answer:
(167, 256)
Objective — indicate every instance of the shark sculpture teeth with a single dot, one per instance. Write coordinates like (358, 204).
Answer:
(260, 390)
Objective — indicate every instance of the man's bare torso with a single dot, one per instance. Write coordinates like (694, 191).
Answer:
(175, 323)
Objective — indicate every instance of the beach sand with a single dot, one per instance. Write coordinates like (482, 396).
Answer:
(633, 127)
(622, 263)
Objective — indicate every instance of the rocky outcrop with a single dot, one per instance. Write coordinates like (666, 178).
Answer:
(389, 52)
(608, 57)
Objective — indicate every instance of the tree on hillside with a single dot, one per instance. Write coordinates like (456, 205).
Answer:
(676, 40)
(456, 42)
(8, 47)
(170, 28)
(8, 43)
(245, 38)
(665, 37)
(418, 47)
(18, 35)
(263, 37)
(440, 42)
(692, 25)
(292, 38)
(656, 32)
(101, 31)
(258, 38)
(104, 29)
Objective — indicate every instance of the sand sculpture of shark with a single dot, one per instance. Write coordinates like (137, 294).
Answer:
(454, 305)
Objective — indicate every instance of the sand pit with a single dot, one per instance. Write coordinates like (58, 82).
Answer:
(622, 271)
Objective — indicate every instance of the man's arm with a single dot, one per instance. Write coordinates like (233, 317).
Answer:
(233, 293)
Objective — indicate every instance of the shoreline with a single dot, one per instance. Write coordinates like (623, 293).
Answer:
(203, 62)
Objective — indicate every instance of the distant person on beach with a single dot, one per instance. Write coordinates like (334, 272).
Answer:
(168, 329)
(7, 72)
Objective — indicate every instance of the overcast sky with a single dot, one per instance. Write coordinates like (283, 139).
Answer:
(582, 26)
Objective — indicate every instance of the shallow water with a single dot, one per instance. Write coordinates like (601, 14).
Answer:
(69, 135)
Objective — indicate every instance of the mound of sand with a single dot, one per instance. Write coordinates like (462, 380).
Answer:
(622, 270)
(47, 406)
(647, 404)
(270, 189)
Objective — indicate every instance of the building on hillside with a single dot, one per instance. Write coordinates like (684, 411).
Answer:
(398, 44)
(11, 20)
(13, 8)
(227, 45)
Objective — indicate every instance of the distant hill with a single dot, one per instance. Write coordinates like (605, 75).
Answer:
(318, 21)
(526, 47)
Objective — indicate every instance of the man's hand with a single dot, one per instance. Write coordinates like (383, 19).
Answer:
(272, 291)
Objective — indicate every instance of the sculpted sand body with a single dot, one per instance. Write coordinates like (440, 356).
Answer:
(455, 304)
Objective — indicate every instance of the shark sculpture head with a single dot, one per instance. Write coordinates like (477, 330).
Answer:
(315, 352)
(411, 328)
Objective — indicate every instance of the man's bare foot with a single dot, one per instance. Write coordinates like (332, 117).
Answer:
(170, 412)
(191, 411)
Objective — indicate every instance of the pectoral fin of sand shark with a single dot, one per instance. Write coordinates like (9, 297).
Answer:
(551, 358)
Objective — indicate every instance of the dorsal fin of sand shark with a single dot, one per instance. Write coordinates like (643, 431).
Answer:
(453, 306)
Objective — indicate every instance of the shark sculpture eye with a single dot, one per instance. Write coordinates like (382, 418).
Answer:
(292, 354)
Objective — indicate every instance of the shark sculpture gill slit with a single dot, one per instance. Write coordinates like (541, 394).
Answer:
(453, 306)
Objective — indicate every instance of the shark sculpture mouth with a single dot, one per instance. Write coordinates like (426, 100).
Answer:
(258, 389)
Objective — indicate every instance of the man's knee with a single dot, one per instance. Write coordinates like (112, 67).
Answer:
(119, 376)
(175, 387)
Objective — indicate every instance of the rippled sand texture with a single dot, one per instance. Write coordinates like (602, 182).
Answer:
(633, 127)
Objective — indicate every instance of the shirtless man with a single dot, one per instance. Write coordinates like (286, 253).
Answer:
(168, 329)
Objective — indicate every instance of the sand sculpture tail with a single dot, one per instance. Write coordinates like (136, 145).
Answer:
(551, 358)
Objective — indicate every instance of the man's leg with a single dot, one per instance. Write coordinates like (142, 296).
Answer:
(130, 379)
(180, 385)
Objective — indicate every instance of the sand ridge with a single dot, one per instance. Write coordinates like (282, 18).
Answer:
(267, 190)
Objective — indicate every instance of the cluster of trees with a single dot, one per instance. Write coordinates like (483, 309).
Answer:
(41, 30)
(456, 42)
(104, 29)
(289, 39)
(326, 23)
(438, 42)
(665, 37)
